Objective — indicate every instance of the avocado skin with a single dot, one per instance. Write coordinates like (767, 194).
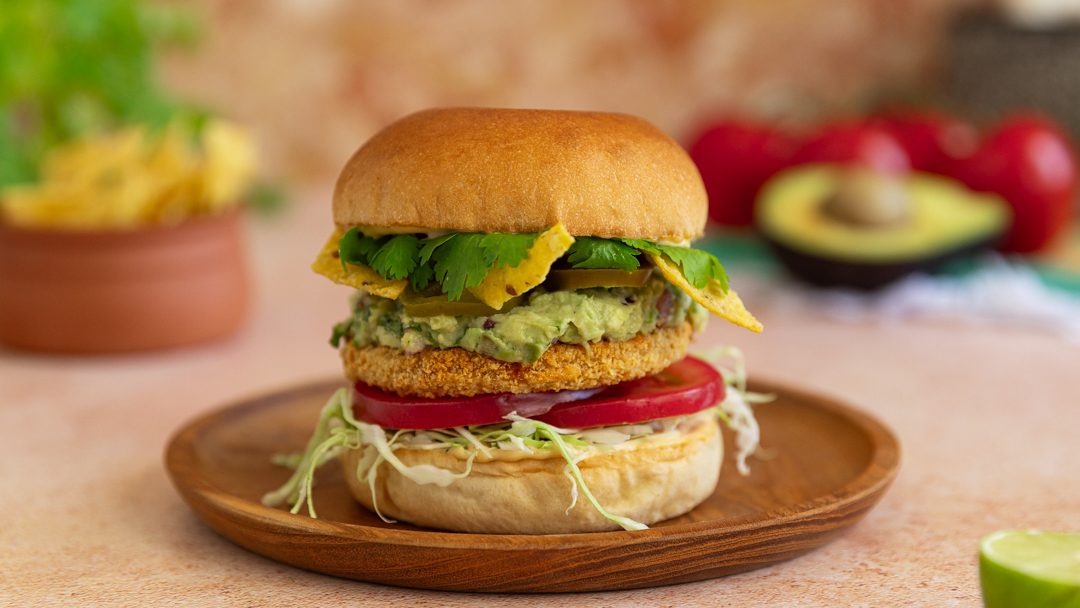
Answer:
(868, 276)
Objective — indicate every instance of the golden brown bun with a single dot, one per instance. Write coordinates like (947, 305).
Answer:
(650, 482)
(457, 372)
(499, 170)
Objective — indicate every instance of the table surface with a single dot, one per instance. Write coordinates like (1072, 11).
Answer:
(988, 419)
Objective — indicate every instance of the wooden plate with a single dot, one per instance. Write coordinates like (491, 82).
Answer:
(824, 466)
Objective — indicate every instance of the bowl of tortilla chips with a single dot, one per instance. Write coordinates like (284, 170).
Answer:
(129, 240)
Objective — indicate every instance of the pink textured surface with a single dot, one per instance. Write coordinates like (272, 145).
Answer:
(988, 419)
(314, 78)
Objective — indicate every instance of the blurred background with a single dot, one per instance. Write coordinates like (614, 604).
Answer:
(313, 79)
(922, 136)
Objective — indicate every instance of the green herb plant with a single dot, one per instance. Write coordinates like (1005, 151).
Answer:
(73, 67)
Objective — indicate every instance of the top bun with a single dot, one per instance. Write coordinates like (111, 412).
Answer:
(498, 170)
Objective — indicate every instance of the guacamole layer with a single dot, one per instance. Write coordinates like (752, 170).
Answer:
(524, 332)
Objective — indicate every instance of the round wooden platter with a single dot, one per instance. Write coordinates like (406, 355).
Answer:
(823, 466)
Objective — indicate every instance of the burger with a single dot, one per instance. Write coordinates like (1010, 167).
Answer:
(525, 295)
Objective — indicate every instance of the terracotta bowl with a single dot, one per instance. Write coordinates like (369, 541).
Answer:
(118, 291)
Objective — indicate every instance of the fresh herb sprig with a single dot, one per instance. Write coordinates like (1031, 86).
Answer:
(593, 252)
(699, 267)
(456, 261)
(459, 261)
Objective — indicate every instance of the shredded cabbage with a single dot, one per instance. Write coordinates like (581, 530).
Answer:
(735, 410)
(604, 436)
(737, 415)
(573, 490)
(464, 432)
(291, 490)
(338, 430)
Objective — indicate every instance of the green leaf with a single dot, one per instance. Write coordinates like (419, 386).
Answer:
(699, 267)
(592, 252)
(425, 269)
(94, 71)
(461, 262)
(397, 257)
(267, 198)
(430, 245)
(355, 248)
(421, 277)
(507, 249)
(646, 246)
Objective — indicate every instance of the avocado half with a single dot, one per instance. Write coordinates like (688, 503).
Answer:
(941, 221)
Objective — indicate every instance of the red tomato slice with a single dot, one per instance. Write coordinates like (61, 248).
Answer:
(686, 387)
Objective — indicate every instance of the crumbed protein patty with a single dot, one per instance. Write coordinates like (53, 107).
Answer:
(457, 372)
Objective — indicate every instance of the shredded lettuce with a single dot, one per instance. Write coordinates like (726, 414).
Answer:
(735, 410)
(464, 432)
(292, 490)
(338, 430)
(737, 415)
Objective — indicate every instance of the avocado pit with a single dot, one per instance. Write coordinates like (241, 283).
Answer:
(869, 199)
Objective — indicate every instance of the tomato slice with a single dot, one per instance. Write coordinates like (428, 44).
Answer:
(393, 411)
(686, 387)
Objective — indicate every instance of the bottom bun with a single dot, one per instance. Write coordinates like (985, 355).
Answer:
(648, 480)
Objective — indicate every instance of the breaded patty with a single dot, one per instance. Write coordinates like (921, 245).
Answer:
(460, 373)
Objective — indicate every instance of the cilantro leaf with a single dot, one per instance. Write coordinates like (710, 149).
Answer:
(646, 246)
(421, 277)
(593, 252)
(425, 270)
(355, 248)
(460, 262)
(430, 245)
(699, 267)
(397, 257)
(507, 249)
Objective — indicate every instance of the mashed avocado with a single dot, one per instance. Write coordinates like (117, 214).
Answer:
(523, 333)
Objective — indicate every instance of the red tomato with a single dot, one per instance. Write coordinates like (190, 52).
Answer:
(1030, 162)
(735, 159)
(855, 143)
(929, 137)
(688, 386)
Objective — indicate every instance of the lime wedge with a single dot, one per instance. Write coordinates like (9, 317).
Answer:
(1030, 569)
